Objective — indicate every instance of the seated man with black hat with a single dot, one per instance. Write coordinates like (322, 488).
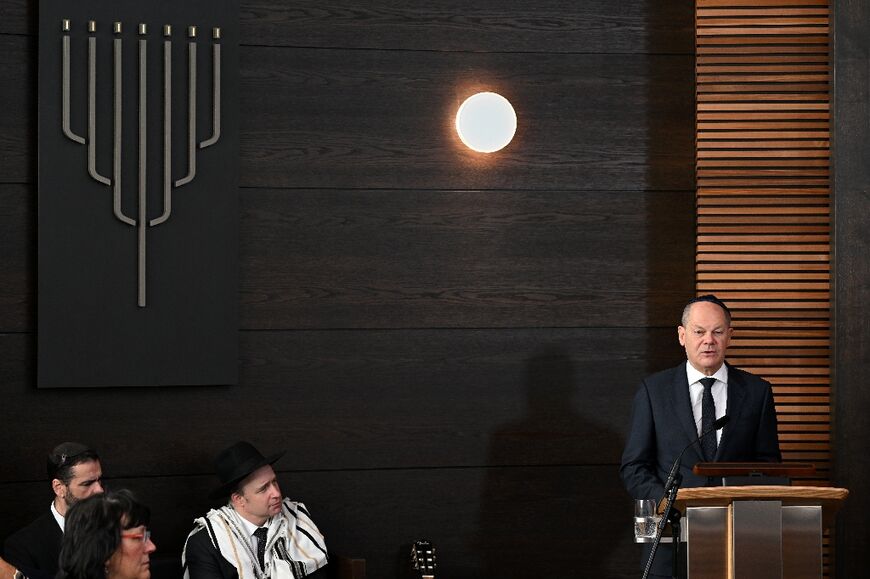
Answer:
(258, 534)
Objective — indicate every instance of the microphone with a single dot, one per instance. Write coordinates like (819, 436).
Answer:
(713, 428)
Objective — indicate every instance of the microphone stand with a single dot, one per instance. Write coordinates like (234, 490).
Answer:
(675, 479)
(673, 515)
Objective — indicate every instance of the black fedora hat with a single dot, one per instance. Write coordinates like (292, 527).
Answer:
(235, 463)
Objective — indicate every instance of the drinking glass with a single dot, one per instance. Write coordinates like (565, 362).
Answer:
(646, 519)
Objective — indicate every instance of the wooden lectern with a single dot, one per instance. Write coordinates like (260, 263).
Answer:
(755, 532)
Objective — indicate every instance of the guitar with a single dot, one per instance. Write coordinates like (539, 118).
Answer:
(423, 559)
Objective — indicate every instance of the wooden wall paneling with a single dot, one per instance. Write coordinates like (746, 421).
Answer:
(349, 399)
(579, 121)
(18, 115)
(451, 25)
(446, 25)
(392, 259)
(763, 165)
(424, 355)
(305, 110)
(851, 291)
(387, 259)
(18, 266)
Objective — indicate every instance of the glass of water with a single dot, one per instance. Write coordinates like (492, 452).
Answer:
(646, 519)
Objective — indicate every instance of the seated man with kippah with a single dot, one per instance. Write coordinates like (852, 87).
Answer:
(258, 534)
(75, 474)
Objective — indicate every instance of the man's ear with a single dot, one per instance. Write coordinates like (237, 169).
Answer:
(58, 487)
(236, 498)
(681, 335)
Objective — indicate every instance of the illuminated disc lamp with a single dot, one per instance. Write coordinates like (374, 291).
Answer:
(486, 122)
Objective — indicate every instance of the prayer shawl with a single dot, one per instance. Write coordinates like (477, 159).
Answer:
(294, 545)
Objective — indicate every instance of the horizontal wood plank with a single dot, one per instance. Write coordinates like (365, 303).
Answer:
(448, 25)
(356, 400)
(384, 119)
(391, 259)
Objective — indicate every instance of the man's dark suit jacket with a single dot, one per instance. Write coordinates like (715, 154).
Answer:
(662, 425)
(204, 561)
(35, 548)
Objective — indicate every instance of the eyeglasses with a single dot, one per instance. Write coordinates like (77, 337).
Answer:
(143, 536)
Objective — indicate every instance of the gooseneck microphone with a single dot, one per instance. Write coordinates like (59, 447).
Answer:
(713, 428)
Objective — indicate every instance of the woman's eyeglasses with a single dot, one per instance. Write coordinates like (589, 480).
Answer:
(143, 536)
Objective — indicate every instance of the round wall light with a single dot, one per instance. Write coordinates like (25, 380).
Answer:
(486, 122)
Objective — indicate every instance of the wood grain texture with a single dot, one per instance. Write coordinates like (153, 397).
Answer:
(578, 121)
(18, 114)
(447, 346)
(549, 26)
(851, 136)
(458, 259)
(384, 119)
(504, 26)
(450, 259)
(358, 399)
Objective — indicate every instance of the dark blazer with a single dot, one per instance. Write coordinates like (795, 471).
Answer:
(204, 561)
(35, 549)
(662, 425)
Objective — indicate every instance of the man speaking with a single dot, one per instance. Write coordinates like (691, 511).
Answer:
(674, 407)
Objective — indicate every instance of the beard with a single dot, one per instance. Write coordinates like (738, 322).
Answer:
(70, 500)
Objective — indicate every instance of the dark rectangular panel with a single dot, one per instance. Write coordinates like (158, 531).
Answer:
(145, 293)
(359, 399)
(480, 519)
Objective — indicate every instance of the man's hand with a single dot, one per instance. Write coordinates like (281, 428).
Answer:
(7, 571)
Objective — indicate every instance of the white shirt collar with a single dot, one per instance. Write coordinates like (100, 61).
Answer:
(249, 526)
(694, 375)
(57, 516)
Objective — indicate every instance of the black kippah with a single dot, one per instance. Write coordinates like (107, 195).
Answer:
(711, 299)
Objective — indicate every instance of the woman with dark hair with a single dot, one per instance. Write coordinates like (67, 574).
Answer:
(106, 537)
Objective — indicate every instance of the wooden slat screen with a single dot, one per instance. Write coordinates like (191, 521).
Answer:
(763, 168)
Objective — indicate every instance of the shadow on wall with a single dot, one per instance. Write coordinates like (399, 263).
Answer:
(535, 519)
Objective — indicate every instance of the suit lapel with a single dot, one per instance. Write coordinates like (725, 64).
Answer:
(736, 395)
(681, 402)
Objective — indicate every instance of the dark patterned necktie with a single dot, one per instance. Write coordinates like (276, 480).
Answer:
(708, 417)
(261, 546)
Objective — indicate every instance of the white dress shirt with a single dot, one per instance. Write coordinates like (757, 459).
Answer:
(251, 527)
(719, 390)
(57, 516)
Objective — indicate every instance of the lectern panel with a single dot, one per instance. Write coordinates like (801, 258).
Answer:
(802, 542)
(757, 532)
(707, 554)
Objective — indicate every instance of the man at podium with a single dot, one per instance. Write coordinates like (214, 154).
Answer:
(675, 407)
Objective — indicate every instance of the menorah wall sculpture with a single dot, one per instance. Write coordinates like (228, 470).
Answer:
(138, 193)
(141, 221)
